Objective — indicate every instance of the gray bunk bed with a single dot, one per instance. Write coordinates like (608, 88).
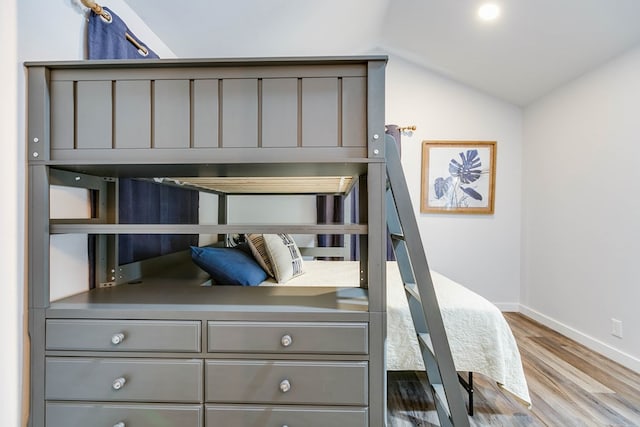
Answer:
(148, 342)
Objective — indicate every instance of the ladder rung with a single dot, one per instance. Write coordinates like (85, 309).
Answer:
(440, 397)
(412, 289)
(425, 340)
(396, 236)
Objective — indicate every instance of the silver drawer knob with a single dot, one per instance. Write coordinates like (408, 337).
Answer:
(286, 340)
(285, 386)
(117, 338)
(120, 424)
(118, 383)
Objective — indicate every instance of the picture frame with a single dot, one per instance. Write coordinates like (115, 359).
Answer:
(458, 177)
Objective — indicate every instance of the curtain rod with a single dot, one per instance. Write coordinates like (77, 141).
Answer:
(97, 9)
(410, 128)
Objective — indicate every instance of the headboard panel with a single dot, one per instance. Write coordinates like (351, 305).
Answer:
(95, 110)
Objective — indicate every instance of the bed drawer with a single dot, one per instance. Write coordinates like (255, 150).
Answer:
(123, 335)
(138, 380)
(291, 416)
(288, 337)
(318, 383)
(68, 414)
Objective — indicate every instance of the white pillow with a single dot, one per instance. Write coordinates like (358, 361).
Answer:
(284, 255)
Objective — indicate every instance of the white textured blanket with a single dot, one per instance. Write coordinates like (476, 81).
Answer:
(479, 337)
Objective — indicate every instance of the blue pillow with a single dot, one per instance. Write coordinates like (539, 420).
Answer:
(228, 266)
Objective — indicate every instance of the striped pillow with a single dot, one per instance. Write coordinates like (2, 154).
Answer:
(259, 251)
(285, 257)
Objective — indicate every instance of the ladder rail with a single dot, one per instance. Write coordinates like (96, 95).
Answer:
(403, 228)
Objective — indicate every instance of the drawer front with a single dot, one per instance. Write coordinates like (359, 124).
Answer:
(145, 380)
(278, 416)
(123, 335)
(288, 337)
(318, 383)
(109, 415)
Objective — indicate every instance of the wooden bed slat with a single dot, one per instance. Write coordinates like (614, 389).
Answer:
(269, 185)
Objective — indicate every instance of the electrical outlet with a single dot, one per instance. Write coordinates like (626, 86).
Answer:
(616, 328)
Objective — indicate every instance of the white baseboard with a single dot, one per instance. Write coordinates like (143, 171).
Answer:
(508, 306)
(596, 345)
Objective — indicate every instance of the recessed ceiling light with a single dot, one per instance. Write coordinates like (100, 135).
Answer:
(489, 11)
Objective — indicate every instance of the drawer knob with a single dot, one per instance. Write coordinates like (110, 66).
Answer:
(119, 424)
(117, 338)
(286, 340)
(118, 383)
(285, 386)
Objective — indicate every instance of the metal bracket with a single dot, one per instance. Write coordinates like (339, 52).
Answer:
(107, 284)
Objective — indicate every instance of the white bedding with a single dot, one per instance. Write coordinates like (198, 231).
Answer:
(479, 337)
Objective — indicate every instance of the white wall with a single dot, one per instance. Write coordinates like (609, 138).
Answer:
(275, 210)
(11, 288)
(581, 228)
(480, 251)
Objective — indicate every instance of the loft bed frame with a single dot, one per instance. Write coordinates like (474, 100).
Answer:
(117, 353)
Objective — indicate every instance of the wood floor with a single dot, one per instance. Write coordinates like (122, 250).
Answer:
(569, 386)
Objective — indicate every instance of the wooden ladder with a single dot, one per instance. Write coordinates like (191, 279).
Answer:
(425, 312)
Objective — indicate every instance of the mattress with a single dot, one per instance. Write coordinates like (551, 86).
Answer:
(480, 339)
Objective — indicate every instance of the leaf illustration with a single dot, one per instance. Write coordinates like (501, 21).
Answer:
(442, 186)
(469, 170)
(471, 192)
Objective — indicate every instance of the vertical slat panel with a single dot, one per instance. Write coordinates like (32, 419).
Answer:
(377, 237)
(171, 114)
(354, 112)
(38, 232)
(205, 113)
(95, 121)
(62, 115)
(39, 125)
(132, 114)
(377, 371)
(37, 364)
(240, 113)
(375, 108)
(280, 112)
(320, 112)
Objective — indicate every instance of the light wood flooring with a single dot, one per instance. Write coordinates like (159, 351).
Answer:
(569, 386)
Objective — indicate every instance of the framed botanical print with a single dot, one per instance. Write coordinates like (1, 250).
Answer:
(458, 177)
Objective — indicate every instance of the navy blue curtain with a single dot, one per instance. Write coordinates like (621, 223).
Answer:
(107, 39)
(141, 202)
(330, 210)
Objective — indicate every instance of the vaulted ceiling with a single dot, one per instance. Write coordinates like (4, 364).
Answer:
(535, 46)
